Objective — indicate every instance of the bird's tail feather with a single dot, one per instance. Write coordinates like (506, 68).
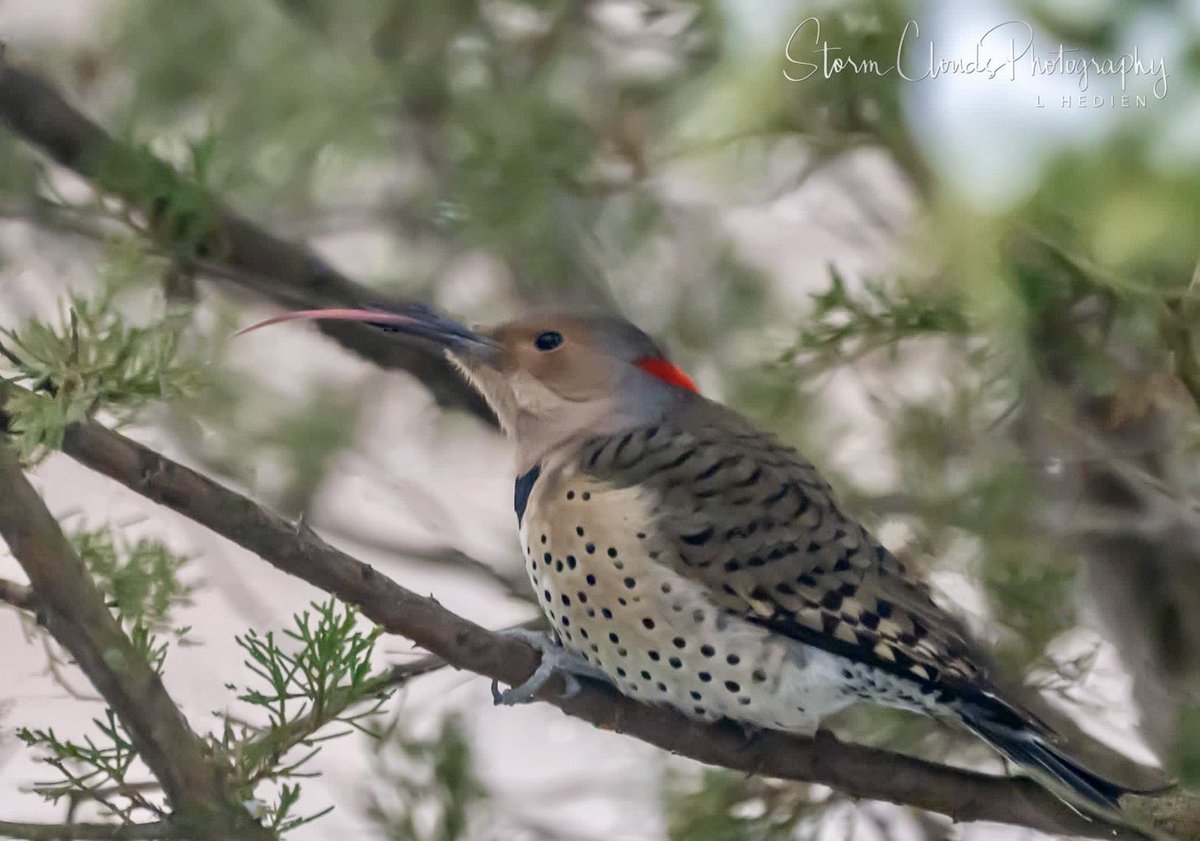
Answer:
(1033, 751)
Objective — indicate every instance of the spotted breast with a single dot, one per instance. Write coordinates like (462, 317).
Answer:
(607, 570)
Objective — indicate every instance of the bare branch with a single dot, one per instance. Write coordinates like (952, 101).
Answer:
(88, 831)
(421, 666)
(18, 595)
(230, 246)
(447, 556)
(73, 611)
(855, 770)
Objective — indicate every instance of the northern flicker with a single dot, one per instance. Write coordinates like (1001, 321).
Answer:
(691, 559)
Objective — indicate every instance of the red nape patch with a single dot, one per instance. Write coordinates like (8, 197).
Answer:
(668, 372)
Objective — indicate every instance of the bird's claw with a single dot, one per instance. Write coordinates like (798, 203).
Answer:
(750, 734)
(555, 658)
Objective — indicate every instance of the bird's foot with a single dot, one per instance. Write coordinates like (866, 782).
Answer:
(555, 658)
(750, 734)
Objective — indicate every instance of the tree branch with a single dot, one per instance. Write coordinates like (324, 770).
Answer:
(227, 244)
(88, 831)
(855, 770)
(515, 584)
(17, 595)
(73, 611)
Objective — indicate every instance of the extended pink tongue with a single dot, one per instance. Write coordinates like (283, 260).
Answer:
(373, 316)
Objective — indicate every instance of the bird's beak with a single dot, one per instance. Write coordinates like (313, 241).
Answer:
(417, 320)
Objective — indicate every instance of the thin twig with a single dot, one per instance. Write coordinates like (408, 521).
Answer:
(18, 595)
(516, 586)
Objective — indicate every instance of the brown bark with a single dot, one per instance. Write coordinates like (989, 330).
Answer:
(73, 611)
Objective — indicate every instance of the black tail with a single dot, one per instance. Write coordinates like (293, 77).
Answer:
(1028, 745)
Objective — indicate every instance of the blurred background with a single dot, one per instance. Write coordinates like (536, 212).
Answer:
(970, 298)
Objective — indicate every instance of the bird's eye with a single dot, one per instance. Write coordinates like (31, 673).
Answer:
(548, 340)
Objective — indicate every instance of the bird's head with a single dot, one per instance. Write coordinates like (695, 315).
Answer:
(548, 377)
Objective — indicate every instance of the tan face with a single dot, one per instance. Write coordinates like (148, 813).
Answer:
(559, 353)
(547, 368)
